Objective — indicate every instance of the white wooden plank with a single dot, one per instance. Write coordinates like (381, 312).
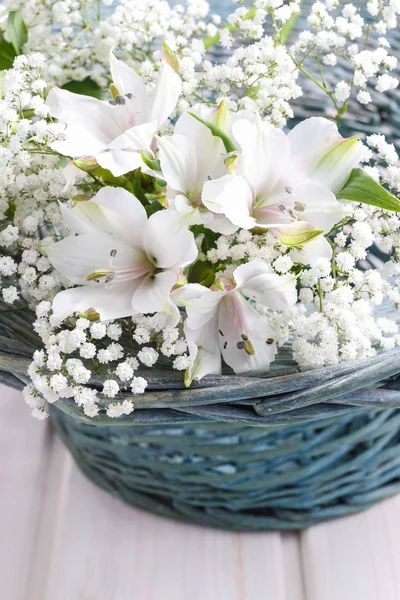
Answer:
(50, 518)
(354, 557)
(294, 583)
(25, 445)
(106, 549)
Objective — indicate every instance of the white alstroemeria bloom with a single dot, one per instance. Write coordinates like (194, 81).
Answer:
(115, 131)
(124, 262)
(281, 179)
(193, 156)
(223, 321)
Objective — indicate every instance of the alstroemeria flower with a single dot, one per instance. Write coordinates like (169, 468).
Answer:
(115, 131)
(124, 262)
(223, 322)
(193, 156)
(281, 179)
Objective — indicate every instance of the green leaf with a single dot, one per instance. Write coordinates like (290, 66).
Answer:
(360, 187)
(17, 30)
(87, 87)
(153, 208)
(217, 132)
(7, 54)
(287, 29)
(152, 163)
(298, 236)
(202, 272)
(137, 188)
(209, 238)
(10, 212)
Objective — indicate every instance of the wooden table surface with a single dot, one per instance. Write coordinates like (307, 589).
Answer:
(62, 538)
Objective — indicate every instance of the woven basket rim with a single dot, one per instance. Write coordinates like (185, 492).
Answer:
(280, 396)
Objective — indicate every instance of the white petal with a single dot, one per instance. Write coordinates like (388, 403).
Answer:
(221, 224)
(191, 291)
(312, 251)
(311, 141)
(76, 257)
(90, 125)
(193, 216)
(138, 137)
(201, 304)
(231, 196)
(209, 149)
(165, 95)
(76, 220)
(109, 303)
(277, 292)
(114, 211)
(129, 82)
(168, 242)
(322, 209)
(204, 351)
(179, 163)
(154, 295)
(239, 323)
(71, 173)
(265, 152)
(249, 270)
(126, 216)
(119, 162)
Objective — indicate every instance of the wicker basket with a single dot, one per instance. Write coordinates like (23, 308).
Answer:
(279, 452)
(282, 451)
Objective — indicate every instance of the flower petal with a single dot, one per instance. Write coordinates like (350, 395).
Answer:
(153, 295)
(138, 137)
(204, 351)
(322, 209)
(221, 224)
(129, 82)
(119, 162)
(245, 338)
(90, 126)
(179, 163)
(193, 216)
(231, 196)
(320, 153)
(277, 292)
(165, 95)
(265, 152)
(109, 304)
(114, 211)
(168, 242)
(209, 149)
(77, 257)
(76, 220)
(201, 304)
(312, 251)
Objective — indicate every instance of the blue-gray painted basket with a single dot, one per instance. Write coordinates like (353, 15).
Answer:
(282, 451)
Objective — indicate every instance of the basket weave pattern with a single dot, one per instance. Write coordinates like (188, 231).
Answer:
(276, 452)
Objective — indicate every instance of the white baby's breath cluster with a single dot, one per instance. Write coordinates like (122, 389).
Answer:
(339, 31)
(92, 363)
(173, 225)
(31, 184)
(63, 30)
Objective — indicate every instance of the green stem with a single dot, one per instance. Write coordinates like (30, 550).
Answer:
(320, 296)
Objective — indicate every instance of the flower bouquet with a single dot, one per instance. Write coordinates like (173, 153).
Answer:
(201, 293)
